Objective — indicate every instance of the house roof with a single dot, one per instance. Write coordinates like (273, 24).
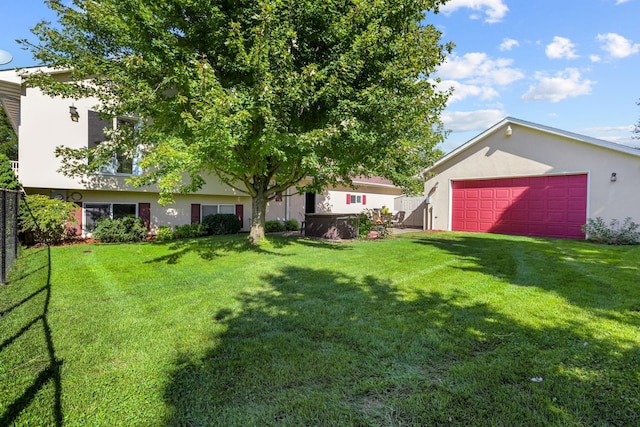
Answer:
(511, 120)
(10, 91)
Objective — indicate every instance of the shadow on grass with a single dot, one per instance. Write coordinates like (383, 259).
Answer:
(25, 306)
(209, 248)
(588, 275)
(313, 347)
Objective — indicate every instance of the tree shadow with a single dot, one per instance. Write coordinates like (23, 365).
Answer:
(315, 347)
(24, 310)
(210, 248)
(587, 275)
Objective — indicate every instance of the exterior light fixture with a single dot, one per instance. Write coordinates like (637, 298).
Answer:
(508, 131)
(614, 177)
(73, 112)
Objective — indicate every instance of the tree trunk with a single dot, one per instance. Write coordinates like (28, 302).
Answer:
(258, 212)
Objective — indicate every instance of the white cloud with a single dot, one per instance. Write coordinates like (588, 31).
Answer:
(462, 91)
(465, 121)
(595, 58)
(618, 46)
(560, 48)
(508, 44)
(565, 84)
(621, 1)
(494, 10)
(478, 68)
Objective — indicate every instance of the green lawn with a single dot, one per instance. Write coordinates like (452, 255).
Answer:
(422, 329)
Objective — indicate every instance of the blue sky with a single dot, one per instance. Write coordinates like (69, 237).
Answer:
(570, 64)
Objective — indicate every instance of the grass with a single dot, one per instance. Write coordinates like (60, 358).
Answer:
(422, 329)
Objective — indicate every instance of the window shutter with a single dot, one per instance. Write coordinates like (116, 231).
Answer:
(348, 199)
(240, 214)
(195, 213)
(144, 212)
(364, 199)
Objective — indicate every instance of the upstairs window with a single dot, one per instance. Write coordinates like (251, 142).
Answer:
(121, 163)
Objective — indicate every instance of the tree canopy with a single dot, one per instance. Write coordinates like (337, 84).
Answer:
(259, 93)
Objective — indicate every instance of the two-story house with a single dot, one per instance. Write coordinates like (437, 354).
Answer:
(43, 123)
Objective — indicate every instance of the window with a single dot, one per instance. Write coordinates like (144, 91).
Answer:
(96, 211)
(121, 163)
(356, 199)
(217, 209)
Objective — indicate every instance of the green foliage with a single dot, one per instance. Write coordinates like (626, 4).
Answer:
(49, 220)
(368, 222)
(7, 176)
(120, 230)
(164, 232)
(365, 224)
(291, 225)
(8, 138)
(221, 224)
(189, 231)
(614, 233)
(262, 94)
(273, 227)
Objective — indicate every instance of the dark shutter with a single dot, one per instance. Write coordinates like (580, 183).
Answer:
(78, 215)
(144, 212)
(240, 214)
(195, 213)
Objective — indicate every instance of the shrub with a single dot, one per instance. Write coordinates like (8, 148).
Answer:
(364, 226)
(120, 230)
(291, 225)
(189, 231)
(164, 232)
(221, 224)
(613, 234)
(367, 224)
(46, 219)
(273, 227)
(7, 177)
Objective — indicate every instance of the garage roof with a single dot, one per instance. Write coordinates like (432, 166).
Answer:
(511, 120)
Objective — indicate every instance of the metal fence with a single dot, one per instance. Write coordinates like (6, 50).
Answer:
(9, 203)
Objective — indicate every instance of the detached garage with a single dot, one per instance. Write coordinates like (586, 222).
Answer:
(527, 179)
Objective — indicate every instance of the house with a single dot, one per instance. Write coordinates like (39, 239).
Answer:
(43, 123)
(523, 178)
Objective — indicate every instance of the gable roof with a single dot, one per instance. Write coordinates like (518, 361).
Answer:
(10, 91)
(554, 131)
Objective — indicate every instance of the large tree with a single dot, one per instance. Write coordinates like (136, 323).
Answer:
(260, 93)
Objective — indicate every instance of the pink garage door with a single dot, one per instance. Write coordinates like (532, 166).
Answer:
(547, 206)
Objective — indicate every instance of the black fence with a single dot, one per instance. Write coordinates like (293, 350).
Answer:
(9, 203)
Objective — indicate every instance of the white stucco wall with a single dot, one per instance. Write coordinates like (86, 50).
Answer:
(45, 124)
(532, 152)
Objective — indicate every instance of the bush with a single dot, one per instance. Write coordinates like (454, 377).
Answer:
(273, 227)
(613, 234)
(7, 177)
(120, 230)
(189, 231)
(46, 219)
(221, 224)
(164, 232)
(291, 225)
